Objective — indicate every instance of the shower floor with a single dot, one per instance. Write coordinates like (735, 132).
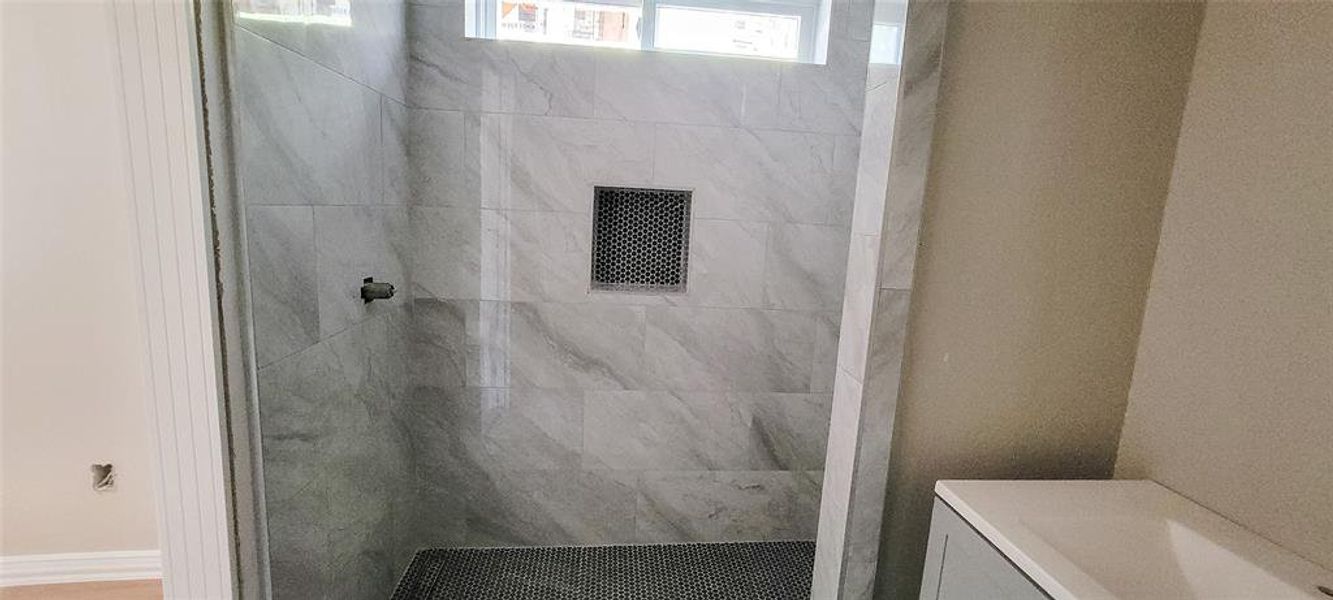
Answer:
(726, 571)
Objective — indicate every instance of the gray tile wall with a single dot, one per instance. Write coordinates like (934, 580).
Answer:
(497, 400)
(548, 414)
(322, 212)
(898, 120)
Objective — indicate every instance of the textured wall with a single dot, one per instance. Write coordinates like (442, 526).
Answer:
(1052, 151)
(1232, 394)
(546, 414)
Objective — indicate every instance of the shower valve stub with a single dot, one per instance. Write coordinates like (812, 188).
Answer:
(372, 290)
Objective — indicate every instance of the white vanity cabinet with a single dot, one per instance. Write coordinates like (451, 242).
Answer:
(962, 565)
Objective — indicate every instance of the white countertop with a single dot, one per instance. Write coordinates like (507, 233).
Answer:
(1128, 540)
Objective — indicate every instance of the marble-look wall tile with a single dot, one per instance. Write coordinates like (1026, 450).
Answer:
(726, 264)
(371, 50)
(396, 164)
(544, 508)
(872, 175)
(332, 457)
(680, 88)
(705, 349)
(448, 71)
(727, 505)
(537, 256)
(912, 137)
(879, 404)
(552, 163)
(704, 431)
(573, 346)
(445, 343)
(859, 304)
(353, 243)
(788, 431)
(834, 505)
(827, 336)
(805, 267)
(446, 253)
(753, 175)
(306, 135)
(284, 298)
(818, 98)
(439, 156)
(492, 430)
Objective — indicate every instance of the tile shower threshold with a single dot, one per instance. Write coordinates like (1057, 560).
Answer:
(714, 571)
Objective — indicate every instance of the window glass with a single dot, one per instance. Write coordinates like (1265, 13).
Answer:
(728, 32)
(323, 12)
(774, 29)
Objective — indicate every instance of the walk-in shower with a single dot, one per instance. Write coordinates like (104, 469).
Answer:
(530, 296)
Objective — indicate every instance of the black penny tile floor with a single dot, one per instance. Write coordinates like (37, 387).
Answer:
(727, 571)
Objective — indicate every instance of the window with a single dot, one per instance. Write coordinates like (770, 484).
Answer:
(321, 12)
(775, 29)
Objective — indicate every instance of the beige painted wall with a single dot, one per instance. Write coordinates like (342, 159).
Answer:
(1052, 153)
(73, 380)
(1232, 396)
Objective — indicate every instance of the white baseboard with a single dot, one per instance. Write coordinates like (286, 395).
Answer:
(75, 567)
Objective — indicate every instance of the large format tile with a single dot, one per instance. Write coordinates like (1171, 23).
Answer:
(463, 343)
(553, 163)
(663, 430)
(805, 267)
(730, 349)
(726, 264)
(446, 253)
(727, 505)
(520, 508)
(284, 299)
(704, 431)
(678, 88)
(333, 456)
(752, 175)
(445, 343)
(371, 49)
(537, 256)
(818, 98)
(490, 430)
(353, 243)
(306, 135)
(571, 346)
(439, 156)
(448, 71)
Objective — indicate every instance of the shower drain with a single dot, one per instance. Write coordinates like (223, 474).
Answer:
(724, 571)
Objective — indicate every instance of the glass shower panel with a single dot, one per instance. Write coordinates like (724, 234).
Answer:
(498, 397)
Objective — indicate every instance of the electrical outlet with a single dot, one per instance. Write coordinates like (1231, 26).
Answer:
(104, 477)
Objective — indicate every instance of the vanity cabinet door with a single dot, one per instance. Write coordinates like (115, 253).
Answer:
(962, 565)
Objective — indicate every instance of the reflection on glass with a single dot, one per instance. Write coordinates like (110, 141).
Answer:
(775, 29)
(886, 43)
(569, 23)
(728, 32)
(321, 12)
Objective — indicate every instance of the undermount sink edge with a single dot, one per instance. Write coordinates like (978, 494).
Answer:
(1127, 540)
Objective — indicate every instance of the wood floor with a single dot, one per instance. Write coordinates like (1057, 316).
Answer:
(147, 589)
